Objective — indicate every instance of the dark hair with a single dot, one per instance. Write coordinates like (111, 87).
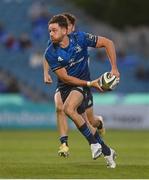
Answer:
(70, 17)
(60, 20)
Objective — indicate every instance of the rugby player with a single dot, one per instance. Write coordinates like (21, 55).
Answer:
(95, 121)
(68, 58)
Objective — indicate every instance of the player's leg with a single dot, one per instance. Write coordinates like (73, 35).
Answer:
(109, 154)
(71, 105)
(105, 148)
(93, 130)
(61, 117)
(62, 125)
(96, 121)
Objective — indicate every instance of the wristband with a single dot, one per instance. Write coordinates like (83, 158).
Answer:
(89, 83)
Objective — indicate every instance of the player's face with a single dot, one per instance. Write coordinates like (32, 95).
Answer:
(57, 33)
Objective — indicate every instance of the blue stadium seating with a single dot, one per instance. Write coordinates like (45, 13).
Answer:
(17, 62)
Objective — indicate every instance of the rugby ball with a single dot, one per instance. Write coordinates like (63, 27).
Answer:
(108, 82)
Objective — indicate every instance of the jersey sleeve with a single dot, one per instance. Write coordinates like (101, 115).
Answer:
(52, 61)
(89, 40)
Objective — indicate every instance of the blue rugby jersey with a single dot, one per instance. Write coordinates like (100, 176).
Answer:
(73, 58)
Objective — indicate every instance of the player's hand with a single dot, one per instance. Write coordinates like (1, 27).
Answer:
(47, 79)
(115, 72)
(96, 84)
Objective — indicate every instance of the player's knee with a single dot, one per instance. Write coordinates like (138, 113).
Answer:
(68, 110)
(94, 124)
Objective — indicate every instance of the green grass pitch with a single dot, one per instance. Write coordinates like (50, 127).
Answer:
(33, 154)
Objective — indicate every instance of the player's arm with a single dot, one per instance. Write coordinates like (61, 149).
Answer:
(63, 76)
(47, 77)
(110, 50)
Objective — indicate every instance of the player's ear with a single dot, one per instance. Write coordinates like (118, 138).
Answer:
(73, 29)
(64, 30)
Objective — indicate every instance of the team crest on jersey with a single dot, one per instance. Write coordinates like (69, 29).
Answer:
(60, 59)
(78, 49)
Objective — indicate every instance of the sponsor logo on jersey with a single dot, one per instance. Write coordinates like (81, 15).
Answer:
(72, 62)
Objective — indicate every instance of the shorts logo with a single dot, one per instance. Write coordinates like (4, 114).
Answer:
(89, 102)
(80, 88)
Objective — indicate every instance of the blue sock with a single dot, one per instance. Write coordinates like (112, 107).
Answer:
(87, 133)
(105, 149)
(64, 139)
(98, 138)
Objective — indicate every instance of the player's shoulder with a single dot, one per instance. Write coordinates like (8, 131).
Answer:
(50, 50)
(77, 33)
(77, 36)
